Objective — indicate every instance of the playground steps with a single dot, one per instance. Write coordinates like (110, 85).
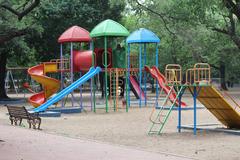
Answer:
(160, 114)
(218, 106)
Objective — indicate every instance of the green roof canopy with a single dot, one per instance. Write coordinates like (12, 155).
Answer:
(109, 28)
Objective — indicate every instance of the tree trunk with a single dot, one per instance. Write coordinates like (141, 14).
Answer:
(222, 70)
(3, 62)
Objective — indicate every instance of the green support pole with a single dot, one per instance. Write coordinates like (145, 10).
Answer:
(93, 81)
(105, 65)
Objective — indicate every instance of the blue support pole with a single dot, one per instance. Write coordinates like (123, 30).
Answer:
(195, 110)
(156, 56)
(61, 68)
(145, 74)
(140, 74)
(179, 112)
(128, 75)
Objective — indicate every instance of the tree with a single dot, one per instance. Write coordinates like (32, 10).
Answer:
(196, 31)
(38, 29)
(12, 24)
(56, 16)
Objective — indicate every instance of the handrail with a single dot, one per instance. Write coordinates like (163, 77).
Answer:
(173, 73)
(200, 73)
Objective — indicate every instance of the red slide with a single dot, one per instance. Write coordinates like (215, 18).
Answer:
(156, 74)
(136, 88)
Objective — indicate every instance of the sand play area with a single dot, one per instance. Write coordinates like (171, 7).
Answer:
(129, 130)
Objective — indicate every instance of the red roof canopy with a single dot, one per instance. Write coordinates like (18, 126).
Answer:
(75, 34)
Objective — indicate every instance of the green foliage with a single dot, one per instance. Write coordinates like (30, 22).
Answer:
(186, 29)
(17, 50)
(55, 16)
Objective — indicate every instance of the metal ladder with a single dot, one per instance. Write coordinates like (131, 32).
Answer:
(159, 116)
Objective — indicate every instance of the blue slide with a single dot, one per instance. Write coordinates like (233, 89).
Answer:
(92, 72)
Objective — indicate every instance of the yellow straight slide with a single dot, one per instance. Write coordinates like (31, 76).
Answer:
(218, 106)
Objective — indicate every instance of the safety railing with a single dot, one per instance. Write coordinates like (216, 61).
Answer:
(200, 74)
(62, 65)
(173, 73)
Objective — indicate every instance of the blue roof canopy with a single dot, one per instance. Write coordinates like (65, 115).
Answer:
(143, 35)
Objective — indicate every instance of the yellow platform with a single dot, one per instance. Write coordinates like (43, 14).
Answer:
(218, 106)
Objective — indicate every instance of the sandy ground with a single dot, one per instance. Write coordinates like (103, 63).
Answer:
(130, 129)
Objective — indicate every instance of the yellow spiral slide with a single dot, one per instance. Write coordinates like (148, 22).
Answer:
(50, 85)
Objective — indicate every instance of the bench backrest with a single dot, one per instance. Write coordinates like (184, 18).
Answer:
(17, 111)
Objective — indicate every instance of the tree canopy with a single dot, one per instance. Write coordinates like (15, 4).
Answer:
(191, 31)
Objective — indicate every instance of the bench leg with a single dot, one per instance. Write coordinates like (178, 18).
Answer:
(39, 122)
(33, 122)
(15, 121)
(29, 123)
(36, 123)
(20, 122)
(11, 119)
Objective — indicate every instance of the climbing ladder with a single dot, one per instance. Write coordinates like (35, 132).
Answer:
(160, 114)
(115, 89)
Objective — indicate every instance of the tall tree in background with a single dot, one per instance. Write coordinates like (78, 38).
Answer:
(38, 29)
(12, 24)
(207, 31)
(55, 16)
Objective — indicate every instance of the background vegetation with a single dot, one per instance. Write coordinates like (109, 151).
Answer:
(190, 30)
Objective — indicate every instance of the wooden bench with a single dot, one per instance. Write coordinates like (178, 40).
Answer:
(17, 113)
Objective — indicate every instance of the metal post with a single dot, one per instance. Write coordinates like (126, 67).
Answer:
(72, 71)
(105, 65)
(93, 92)
(81, 103)
(179, 112)
(140, 74)
(115, 88)
(145, 74)
(80, 75)
(61, 68)
(128, 75)
(91, 82)
(156, 56)
(195, 110)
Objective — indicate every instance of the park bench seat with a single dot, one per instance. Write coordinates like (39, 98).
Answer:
(17, 113)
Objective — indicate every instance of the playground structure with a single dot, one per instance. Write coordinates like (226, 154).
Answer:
(84, 65)
(110, 77)
(198, 82)
(80, 61)
(105, 29)
(51, 85)
(142, 37)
